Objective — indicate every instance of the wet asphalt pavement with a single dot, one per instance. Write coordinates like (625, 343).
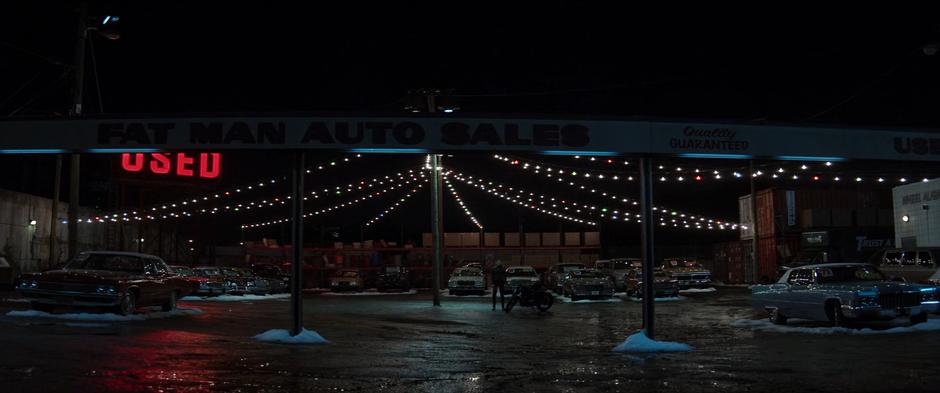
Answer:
(403, 344)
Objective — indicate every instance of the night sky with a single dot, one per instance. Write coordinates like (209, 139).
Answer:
(553, 57)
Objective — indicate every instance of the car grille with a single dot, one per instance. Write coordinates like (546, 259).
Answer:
(69, 287)
(682, 277)
(466, 283)
(895, 300)
(214, 284)
(701, 277)
(591, 287)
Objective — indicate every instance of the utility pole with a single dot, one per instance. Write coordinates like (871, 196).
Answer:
(436, 226)
(646, 245)
(54, 222)
(78, 79)
(752, 268)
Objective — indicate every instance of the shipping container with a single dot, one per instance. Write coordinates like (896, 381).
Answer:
(783, 212)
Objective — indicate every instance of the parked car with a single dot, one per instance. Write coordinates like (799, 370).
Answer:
(587, 284)
(229, 286)
(913, 265)
(393, 278)
(200, 286)
(688, 272)
(467, 280)
(347, 280)
(122, 281)
(839, 292)
(517, 276)
(555, 278)
(663, 284)
(617, 269)
(6, 274)
(280, 281)
(254, 284)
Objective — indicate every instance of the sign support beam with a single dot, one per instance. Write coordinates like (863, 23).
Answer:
(646, 245)
(297, 241)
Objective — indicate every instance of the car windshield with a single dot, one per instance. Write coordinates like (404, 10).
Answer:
(348, 273)
(469, 272)
(622, 265)
(570, 268)
(682, 263)
(183, 271)
(848, 274)
(521, 273)
(110, 262)
(208, 272)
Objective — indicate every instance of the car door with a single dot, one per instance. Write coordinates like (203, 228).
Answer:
(800, 302)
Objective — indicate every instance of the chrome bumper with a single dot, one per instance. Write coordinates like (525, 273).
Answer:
(878, 313)
(69, 298)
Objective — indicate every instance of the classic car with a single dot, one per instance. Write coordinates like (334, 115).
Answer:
(237, 283)
(555, 278)
(229, 286)
(122, 281)
(254, 284)
(663, 284)
(393, 278)
(347, 280)
(913, 265)
(688, 272)
(839, 292)
(517, 276)
(467, 280)
(617, 269)
(587, 284)
(280, 281)
(201, 286)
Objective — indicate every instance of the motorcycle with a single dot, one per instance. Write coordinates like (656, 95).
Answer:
(534, 295)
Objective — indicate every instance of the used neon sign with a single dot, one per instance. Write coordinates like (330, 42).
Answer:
(204, 165)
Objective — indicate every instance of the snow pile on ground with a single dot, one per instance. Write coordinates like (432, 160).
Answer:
(15, 300)
(569, 301)
(639, 343)
(487, 293)
(697, 290)
(659, 299)
(87, 324)
(316, 290)
(106, 317)
(306, 337)
(371, 292)
(233, 298)
(765, 326)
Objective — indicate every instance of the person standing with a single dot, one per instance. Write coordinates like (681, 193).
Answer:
(498, 276)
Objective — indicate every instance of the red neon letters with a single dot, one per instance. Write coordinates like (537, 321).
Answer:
(210, 164)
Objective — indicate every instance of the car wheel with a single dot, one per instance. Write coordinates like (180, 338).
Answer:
(170, 304)
(511, 303)
(128, 303)
(545, 302)
(574, 298)
(776, 317)
(42, 307)
(834, 311)
(919, 318)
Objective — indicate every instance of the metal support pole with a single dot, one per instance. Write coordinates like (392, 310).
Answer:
(436, 226)
(78, 79)
(297, 244)
(754, 266)
(54, 222)
(646, 246)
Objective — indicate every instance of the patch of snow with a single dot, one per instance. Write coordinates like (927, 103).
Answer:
(106, 317)
(765, 326)
(486, 293)
(16, 300)
(659, 299)
(306, 337)
(697, 290)
(568, 300)
(639, 343)
(233, 298)
(370, 292)
(316, 290)
(87, 324)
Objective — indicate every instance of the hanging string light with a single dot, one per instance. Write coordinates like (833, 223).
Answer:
(394, 205)
(461, 203)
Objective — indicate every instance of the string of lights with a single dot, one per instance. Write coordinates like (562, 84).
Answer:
(522, 197)
(338, 206)
(697, 174)
(394, 205)
(619, 198)
(462, 204)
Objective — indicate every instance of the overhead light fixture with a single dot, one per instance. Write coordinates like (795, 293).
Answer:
(32, 222)
(905, 218)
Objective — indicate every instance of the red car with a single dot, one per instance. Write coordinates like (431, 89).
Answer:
(122, 281)
(200, 285)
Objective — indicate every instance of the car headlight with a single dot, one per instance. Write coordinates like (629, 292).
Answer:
(478, 283)
(866, 299)
(203, 285)
(28, 284)
(249, 284)
(334, 283)
(929, 295)
(106, 290)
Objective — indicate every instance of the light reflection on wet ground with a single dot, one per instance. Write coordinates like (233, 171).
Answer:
(402, 344)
